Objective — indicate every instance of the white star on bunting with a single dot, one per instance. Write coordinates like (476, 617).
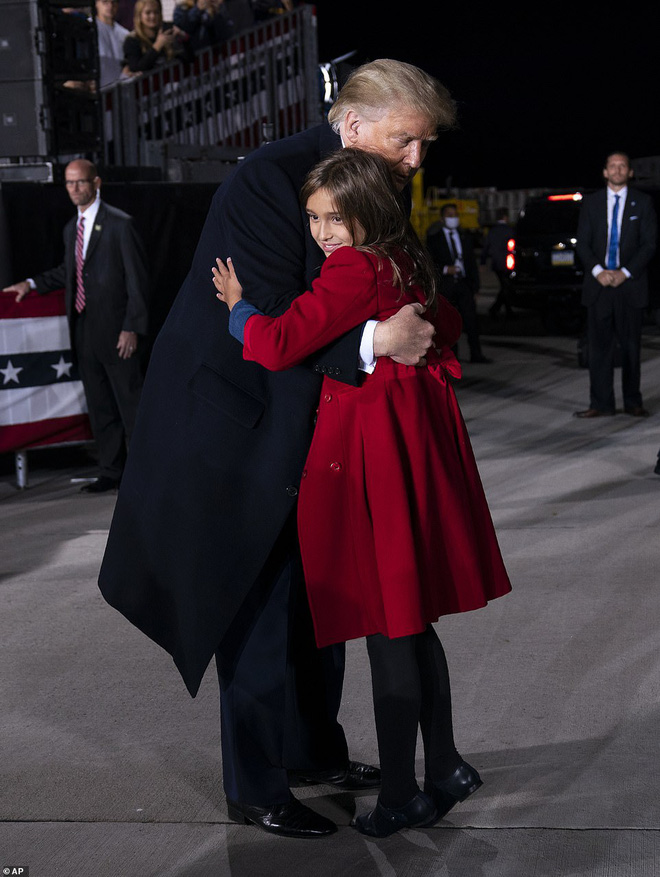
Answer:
(10, 372)
(62, 367)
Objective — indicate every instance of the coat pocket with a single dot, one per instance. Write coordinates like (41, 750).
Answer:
(227, 397)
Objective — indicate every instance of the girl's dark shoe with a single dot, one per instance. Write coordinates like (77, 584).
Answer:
(420, 812)
(457, 787)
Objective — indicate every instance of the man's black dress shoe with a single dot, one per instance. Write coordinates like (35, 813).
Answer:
(657, 467)
(479, 357)
(637, 411)
(593, 412)
(460, 785)
(353, 778)
(101, 484)
(383, 821)
(292, 819)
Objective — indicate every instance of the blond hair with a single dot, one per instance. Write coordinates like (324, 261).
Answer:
(385, 84)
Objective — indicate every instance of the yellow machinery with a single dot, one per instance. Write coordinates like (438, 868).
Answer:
(426, 207)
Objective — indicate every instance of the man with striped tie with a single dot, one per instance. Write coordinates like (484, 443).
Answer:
(616, 240)
(104, 273)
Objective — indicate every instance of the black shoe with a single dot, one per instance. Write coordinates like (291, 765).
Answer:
(593, 412)
(420, 812)
(286, 820)
(479, 357)
(657, 467)
(637, 411)
(354, 777)
(101, 484)
(460, 785)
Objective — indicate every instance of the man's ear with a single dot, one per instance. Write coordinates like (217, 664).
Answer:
(351, 128)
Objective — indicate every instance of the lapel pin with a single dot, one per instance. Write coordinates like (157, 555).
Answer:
(97, 228)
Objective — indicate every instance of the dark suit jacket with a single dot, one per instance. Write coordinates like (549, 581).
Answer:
(115, 277)
(219, 445)
(495, 246)
(437, 245)
(637, 245)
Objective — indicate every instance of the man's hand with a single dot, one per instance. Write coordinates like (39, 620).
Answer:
(22, 288)
(604, 278)
(405, 337)
(618, 277)
(127, 344)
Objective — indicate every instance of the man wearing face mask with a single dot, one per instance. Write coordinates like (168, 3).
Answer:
(458, 273)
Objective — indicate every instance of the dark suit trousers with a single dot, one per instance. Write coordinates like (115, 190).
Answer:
(112, 391)
(459, 293)
(608, 320)
(279, 693)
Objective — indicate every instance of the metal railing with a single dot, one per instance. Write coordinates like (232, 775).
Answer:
(262, 84)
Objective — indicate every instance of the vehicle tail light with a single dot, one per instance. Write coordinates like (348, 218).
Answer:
(511, 245)
(510, 262)
(574, 196)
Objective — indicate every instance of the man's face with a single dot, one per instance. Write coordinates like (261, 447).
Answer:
(450, 213)
(80, 186)
(106, 10)
(617, 171)
(401, 136)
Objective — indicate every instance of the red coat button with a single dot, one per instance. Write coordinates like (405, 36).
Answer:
(327, 397)
(335, 467)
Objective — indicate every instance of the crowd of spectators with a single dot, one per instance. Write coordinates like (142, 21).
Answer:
(133, 36)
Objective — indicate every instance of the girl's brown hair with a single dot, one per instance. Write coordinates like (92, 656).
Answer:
(362, 191)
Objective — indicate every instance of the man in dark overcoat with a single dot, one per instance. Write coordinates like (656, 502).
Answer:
(202, 553)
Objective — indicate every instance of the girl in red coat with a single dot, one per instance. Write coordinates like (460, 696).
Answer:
(394, 526)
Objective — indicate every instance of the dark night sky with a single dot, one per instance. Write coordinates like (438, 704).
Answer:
(542, 95)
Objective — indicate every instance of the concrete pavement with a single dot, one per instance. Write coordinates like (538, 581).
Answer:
(109, 769)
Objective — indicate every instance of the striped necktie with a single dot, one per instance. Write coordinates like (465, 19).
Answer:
(613, 248)
(80, 286)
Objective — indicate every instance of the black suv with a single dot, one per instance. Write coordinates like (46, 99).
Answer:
(545, 271)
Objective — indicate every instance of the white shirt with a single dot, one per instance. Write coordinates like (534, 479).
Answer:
(623, 194)
(453, 237)
(90, 215)
(111, 51)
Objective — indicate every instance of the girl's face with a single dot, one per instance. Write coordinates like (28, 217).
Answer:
(150, 15)
(327, 226)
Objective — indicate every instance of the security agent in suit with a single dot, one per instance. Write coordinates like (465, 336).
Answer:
(106, 306)
(496, 249)
(458, 273)
(616, 240)
(202, 553)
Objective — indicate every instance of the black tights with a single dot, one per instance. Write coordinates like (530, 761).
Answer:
(410, 681)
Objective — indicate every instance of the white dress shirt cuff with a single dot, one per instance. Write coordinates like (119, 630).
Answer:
(367, 361)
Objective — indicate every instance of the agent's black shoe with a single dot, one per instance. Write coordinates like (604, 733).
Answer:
(353, 778)
(479, 357)
(460, 785)
(419, 812)
(657, 467)
(593, 412)
(637, 411)
(101, 484)
(292, 819)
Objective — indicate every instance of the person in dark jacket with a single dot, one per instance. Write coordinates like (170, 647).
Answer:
(202, 553)
(496, 249)
(204, 21)
(458, 273)
(616, 240)
(151, 42)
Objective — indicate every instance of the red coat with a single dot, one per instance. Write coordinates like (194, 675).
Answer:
(394, 526)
